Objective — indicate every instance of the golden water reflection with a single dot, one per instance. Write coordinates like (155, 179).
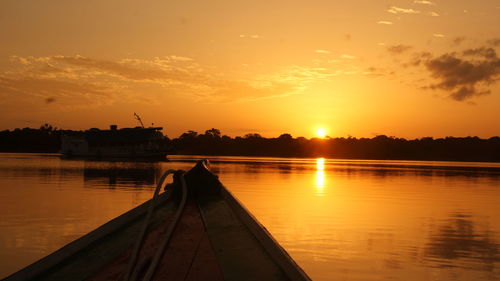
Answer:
(320, 176)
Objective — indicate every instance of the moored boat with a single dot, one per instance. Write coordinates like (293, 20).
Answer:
(138, 142)
(195, 230)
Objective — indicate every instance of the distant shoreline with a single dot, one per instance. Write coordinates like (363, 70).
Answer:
(213, 143)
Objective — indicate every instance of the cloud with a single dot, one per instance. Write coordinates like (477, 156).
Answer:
(433, 14)
(36, 90)
(254, 36)
(420, 57)
(322, 51)
(375, 72)
(487, 53)
(458, 40)
(346, 56)
(494, 42)
(465, 76)
(78, 80)
(398, 49)
(224, 91)
(385, 22)
(126, 69)
(179, 58)
(438, 35)
(424, 2)
(38, 86)
(397, 10)
(301, 75)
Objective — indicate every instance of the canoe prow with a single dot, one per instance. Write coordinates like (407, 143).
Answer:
(208, 185)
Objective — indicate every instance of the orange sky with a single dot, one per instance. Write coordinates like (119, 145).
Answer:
(403, 68)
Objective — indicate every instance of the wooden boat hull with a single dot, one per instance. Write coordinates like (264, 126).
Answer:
(215, 238)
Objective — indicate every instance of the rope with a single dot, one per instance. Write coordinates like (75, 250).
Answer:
(168, 235)
(137, 247)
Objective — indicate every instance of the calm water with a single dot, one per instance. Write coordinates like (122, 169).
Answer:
(339, 219)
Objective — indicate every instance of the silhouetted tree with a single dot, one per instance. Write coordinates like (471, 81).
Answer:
(189, 135)
(253, 136)
(283, 137)
(213, 132)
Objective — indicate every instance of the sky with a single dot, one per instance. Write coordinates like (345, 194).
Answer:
(361, 68)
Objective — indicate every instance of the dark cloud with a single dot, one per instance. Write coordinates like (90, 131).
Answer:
(465, 76)
(465, 92)
(50, 100)
(458, 40)
(373, 71)
(494, 42)
(398, 49)
(418, 58)
(487, 53)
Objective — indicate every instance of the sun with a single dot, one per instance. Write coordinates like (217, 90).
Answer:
(321, 132)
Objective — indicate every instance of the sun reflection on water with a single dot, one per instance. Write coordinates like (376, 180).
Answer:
(320, 176)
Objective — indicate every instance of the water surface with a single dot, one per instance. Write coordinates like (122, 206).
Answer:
(339, 219)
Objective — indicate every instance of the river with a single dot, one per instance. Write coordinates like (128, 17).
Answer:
(339, 219)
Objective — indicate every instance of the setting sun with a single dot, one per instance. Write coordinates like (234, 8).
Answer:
(321, 132)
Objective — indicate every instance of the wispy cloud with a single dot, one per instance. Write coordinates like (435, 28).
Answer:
(73, 94)
(322, 51)
(254, 36)
(438, 35)
(385, 22)
(70, 79)
(375, 72)
(346, 56)
(433, 14)
(398, 10)
(424, 2)
(301, 76)
(398, 49)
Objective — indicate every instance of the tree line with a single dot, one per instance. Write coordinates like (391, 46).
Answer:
(379, 147)
(212, 142)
